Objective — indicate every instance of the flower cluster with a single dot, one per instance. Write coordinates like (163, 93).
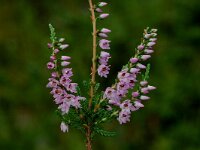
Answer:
(63, 90)
(127, 82)
(103, 68)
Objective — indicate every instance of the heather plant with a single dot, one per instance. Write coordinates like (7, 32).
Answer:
(87, 109)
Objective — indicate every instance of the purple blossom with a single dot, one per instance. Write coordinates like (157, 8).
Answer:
(148, 51)
(50, 65)
(135, 94)
(124, 117)
(67, 72)
(64, 127)
(104, 44)
(104, 57)
(103, 70)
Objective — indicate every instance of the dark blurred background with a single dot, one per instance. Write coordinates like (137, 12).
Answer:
(170, 120)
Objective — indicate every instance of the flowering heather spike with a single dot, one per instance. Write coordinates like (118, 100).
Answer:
(118, 101)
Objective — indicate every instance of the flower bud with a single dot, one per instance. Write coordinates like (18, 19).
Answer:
(49, 45)
(151, 87)
(143, 83)
(56, 51)
(133, 60)
(147, 36)
(62, 47)
(99, 10)
(53, 57)
(145, 90)
(101, 4)
(105, 30)
(141, 66)
(140, 47)
(135, 94)
(134, 70)
(65, 57)
(64, 127)
(65, 63)
(148, 51)
(145, 57)
(143, 97)
(151, 44)
(154, 30)
(61, 40)
(103, 16)
(138, 104)
(103, 35)
(153, 39)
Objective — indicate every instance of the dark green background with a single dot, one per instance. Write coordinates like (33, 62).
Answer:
(170, 120)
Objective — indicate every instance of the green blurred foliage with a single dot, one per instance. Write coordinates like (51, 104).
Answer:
(170, 119)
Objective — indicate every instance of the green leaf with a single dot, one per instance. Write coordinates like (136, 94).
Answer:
(146, 75)
(53, 33)
(104, 132)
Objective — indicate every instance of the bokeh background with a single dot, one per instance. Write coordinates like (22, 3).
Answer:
(170, 120)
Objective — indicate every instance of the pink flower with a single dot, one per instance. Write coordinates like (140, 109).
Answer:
(72, 87)
(64, 107)
(123, 117)
(104, 57)
(145, 90)
(67, 72)
(103, 70)
(52, 83)
(56, 51)
(49, 45)
(104, 44)
(64, 127)
(50, 65)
